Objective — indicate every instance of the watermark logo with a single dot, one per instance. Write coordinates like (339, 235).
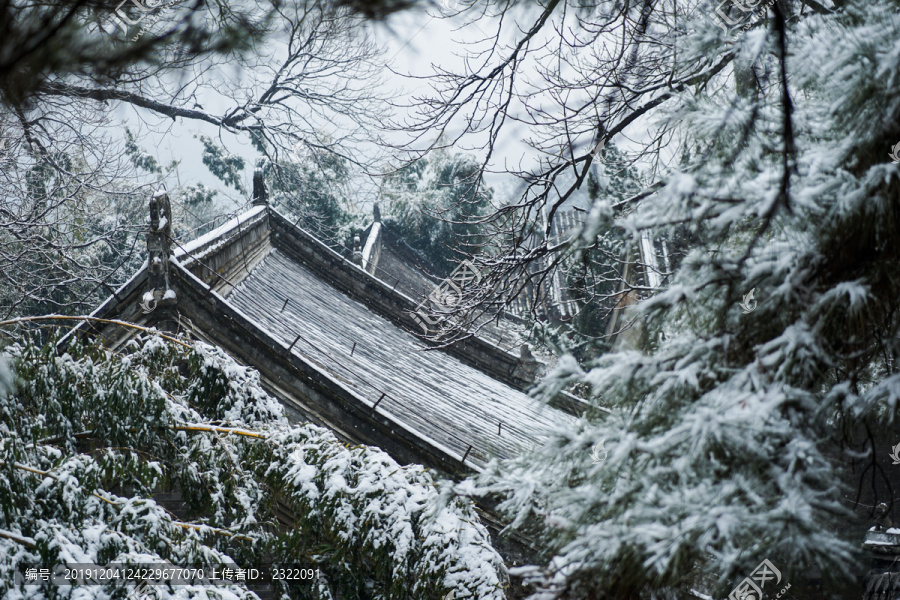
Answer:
(144, 591)
(748, 304)
(120, 18)
(895, 154)
(735, 15)
(450, 4)
(148, 302)
(447, 295)
(598, 453)
(895, 454)
(751, 588)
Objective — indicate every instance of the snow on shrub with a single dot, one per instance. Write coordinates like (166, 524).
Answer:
(86, 438)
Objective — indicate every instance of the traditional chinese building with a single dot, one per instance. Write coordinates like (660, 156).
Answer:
(335, 341)
(883, 580)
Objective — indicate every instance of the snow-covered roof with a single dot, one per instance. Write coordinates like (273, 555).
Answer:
(334, 343)
(217, 235)
(434, 394)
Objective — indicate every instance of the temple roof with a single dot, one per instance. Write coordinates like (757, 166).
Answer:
(429, 392)
(336, 345)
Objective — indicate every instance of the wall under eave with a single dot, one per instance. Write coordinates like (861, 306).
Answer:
(227, 254)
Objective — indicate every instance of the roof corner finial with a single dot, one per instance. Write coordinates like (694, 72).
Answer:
(159, 246)
(357, 250)
(376, 213)
(260, 193)
(527, 366)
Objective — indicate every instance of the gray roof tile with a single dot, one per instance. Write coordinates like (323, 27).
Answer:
(433, 393)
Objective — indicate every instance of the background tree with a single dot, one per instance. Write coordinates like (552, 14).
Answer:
(42, 41)
(317, 74)
(433, 204)
(724, 439)
(312, 189)
(68, 227)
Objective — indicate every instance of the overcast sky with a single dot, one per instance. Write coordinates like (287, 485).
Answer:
(414, 41)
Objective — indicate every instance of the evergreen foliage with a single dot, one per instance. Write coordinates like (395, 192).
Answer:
(728, 439)
(432, 205)
(311, 189)
(198, 195)
(140, 158)
(226, 167)
(87, 437)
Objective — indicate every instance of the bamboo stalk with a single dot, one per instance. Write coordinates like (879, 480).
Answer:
(236, 536)
(192, 427)
(188, 427)
(16, 538)
(96, 319)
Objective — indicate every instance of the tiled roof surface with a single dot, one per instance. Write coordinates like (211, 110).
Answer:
(884, 585)
(435, 395)
(410, 279)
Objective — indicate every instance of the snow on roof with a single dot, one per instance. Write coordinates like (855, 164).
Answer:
(221, 230)
(431, 392)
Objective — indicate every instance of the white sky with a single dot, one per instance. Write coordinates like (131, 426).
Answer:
(414, 40)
